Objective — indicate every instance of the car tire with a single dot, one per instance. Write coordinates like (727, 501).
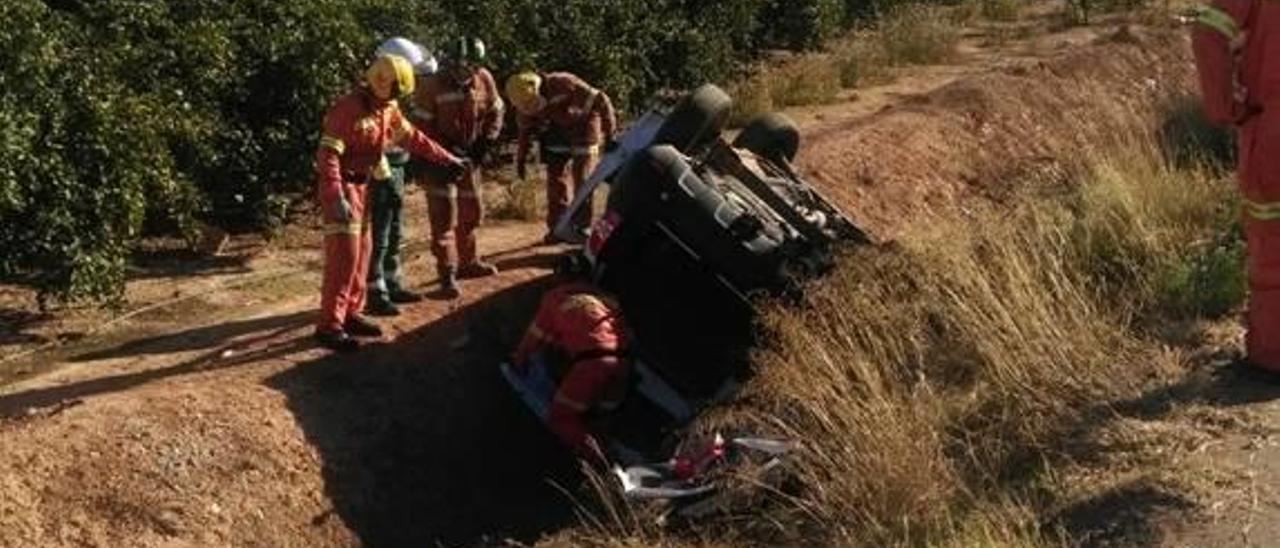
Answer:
(772, 135)
(696, 121)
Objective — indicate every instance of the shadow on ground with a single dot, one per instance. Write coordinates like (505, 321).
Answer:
(221, 354)
(1130, 514)
(1123, 516)
(199, 338)
(1228, 384)
(184, 263)
(422, 442)
(14, 322)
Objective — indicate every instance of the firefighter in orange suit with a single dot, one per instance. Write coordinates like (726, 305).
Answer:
(358, 130)
(573, 121)
(1237, 51)
(460, 107)
(581, 323)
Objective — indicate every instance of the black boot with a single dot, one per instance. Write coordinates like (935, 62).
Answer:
(477, 269)
(449, 284)
(361, 327)
(380, 306)
(338, 342)
(404, 296)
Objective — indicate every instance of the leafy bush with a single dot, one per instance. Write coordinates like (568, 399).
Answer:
(917, 34)
(129, 116)
(1000, 10)
(1210, 283)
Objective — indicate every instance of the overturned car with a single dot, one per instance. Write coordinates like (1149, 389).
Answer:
(695, 229)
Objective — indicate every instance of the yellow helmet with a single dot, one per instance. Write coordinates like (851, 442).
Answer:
(525, 91)
(390, 76)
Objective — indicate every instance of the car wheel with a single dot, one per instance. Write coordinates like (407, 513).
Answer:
(697, 120)
(772, 135)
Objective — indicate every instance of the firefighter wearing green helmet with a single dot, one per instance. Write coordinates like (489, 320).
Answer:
(460, 106)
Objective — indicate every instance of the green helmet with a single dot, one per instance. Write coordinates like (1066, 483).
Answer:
(465, 50)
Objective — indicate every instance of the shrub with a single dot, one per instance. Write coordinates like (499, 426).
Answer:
(916, 35)
(862, 62)
(1210, 282)
(1000, 10)
(132, 115)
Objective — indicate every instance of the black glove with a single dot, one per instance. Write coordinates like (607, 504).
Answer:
(456, 170)
(610, 145)
(479, 150)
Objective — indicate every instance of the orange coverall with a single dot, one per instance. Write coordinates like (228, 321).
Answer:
(358, 130)
(458, 116)
(579, 320)
(576, 121)
(1237, 51)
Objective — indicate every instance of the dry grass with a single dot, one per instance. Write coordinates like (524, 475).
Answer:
(947, 385)
(909, 35)
(808, 79)
(935, 380)
(515, 200)
(918, 35)
(1000, 10)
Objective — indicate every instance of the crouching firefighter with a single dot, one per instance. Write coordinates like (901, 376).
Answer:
(573, 121)
(580, 331)
(1237, 52)
(359, 129)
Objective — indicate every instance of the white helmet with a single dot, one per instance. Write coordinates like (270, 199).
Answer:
(423, 63)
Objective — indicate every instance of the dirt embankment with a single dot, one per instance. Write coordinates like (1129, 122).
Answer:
(244, 434)
(978, 134)
(240, 433)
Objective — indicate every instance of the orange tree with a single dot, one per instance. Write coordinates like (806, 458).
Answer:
(128, 116)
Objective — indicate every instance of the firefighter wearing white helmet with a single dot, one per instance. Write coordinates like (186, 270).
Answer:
(386, 284)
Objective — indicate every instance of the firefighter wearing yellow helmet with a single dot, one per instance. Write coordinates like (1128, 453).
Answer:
(359, 129)
(386, 283)
(572, 121)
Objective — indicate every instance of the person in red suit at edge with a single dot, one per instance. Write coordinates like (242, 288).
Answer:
(358, 130)
(1237, 52)
(582, 326)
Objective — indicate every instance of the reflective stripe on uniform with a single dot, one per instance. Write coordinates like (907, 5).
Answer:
(451, 97)
(573, 151)
(403, 131)
(1262, 211)
(354, 227)
(442, 191)
(424, 114)
(591, 102)
(570, 402)
(1219, 20)
(333, 143)
(382, 171)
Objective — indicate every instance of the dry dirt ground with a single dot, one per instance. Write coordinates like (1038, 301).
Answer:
(206, 417)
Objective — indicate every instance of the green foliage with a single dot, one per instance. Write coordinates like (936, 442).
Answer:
(1211, 282)
(126, 116)
(1000, 10)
